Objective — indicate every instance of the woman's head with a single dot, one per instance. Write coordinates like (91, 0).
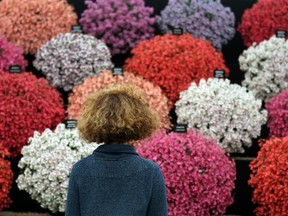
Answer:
(117, 114)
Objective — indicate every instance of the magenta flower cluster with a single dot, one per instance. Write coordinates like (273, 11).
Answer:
(10, 55)
(199, 176)
(277, 108)
(120, 24)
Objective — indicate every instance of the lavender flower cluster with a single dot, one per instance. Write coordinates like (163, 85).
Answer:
(208, 20)
(120, 24)
(69, 58)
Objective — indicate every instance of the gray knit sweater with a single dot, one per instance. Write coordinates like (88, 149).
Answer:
(116, 181)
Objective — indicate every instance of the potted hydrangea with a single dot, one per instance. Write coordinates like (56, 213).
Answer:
(269, 178)
(31, 23)
(6, 179)
(69, 58)
(224, 111)
(174, 61)
(262, 20)
(153, 93)
(46, 164)
(120, 24)
(27, 104)
(199, 176)
(208, 20)
(10, 55)
(265, 67)
(277, 108)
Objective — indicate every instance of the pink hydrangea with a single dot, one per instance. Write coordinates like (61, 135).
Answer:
(10, 55)
(277, 108)
(198, 174)
(154, 96)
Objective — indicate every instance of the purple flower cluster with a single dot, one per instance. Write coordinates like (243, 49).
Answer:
(10, 55)
(199, 176)
(208, 20)
(120, 24)
(69, 58)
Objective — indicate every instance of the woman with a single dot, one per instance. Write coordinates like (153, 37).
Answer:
(115, 180)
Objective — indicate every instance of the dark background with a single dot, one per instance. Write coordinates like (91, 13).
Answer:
(243, 193)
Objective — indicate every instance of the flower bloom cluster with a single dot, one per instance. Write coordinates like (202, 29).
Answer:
(6, 178)
(269, 178)
(10, 55)
(47, 162)
(26, 104)
(154, 95)
(208, 20)
(30, 23)
(263, 20)
(121, 24)
(69, 58)
(277, 109)
(173, 62)
(223, 111)
(265, 66)
(198, 174)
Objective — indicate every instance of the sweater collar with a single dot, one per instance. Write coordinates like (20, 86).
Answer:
(116, 149)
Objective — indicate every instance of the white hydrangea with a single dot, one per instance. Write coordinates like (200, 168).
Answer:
(265, 66)
(226, 112)
(68, 59)
(47, 162)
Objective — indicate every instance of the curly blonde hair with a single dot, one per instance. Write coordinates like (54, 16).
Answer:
(117, 114)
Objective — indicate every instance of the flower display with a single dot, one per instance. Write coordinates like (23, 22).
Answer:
(47, 162)
(262, 20)
(69, 58)
(208, 20)
(120, 24)
(6, 178)
(10, 55)
(26, 104)
(224, 111)
(154, 96)
(265, 67)
(277, 109)
(269, 178)
(173, 62)
(199, 176)
(30, 23)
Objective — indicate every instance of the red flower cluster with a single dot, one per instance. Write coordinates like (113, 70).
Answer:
(10, 55)
(270, 178)
(199, 176)
(262, 20)
(6, 178)
(173, 62)
(26, 104)
(277, 108)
